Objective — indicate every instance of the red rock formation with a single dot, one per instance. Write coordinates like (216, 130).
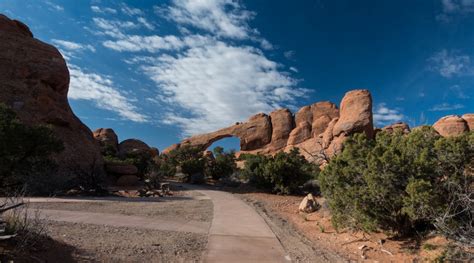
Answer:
(34, 81)
(133, 146)
(397, 126)
(107, 138)
(282, 124)
(314, 129)
(355, 114)
(451, 125)
(469, 118)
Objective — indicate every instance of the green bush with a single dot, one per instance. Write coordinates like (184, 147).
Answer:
(190, 159)
(397, 183)
(24, 150)
(223, 164)
(284, 173)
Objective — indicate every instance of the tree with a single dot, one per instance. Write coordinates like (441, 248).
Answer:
(24, 150)
(223, 164)
(398, 183)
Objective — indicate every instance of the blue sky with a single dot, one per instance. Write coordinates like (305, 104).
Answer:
(161, 70)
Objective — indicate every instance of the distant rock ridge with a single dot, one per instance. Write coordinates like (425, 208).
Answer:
(34, 82)
(318, 130)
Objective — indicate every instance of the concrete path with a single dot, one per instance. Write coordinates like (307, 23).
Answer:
(118, 220)
(239, 234)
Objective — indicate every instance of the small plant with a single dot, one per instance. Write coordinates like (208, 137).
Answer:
(429, 247)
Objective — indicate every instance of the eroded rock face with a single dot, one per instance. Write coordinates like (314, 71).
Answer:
(400, 126)
(133, 146)
(282, 125)
(107, 139)
(34, 81)
(253, 134)
(355, 114)
(451, 125)
(469, 118)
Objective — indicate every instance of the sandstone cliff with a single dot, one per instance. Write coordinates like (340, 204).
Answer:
(34, 81)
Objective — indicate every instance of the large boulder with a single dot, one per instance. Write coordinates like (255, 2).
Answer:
(451, 125)
(399, 126)
(282, 124)
(133, 147)
(469, 118)
(34, 82)
(107, 138)
(355, 114)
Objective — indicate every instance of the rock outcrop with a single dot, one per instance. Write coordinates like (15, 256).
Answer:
(134, 147)
(107, 138)
(451, 125)
(316, 129)
(34, 81)
(399, 126)
(469, 118)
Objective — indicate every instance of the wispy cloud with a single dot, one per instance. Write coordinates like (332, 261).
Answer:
(453, 8)
(384, 115)
(450, 63)
(103, 10)
(113, 28)
(218, 84)
(155, 43)
(145, 23)
(226, 18)
(100, 90)
(131, 11)
(54, 6)
(73, 46)
(446, 107)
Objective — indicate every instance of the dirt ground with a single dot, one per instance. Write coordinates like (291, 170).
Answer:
(283, 213)
(78, 242)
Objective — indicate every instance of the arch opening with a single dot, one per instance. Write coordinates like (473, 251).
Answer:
(227, 143)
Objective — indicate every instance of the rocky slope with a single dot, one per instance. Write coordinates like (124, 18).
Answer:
(34, 81)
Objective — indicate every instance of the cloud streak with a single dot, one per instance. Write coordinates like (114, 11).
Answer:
(383, 115)
(100, 90)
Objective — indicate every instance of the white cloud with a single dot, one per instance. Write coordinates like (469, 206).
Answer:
(446, 107)
(219, 84)
(453, 8)
(155, 43)
(103, 10)
(54, 6)
(145, 23)
(225, 18)
(130, 10)
(294, 69)
(290, 54)
(450, 63)
(114, 28)
(72, 46)
(100, 90)
(384, 115)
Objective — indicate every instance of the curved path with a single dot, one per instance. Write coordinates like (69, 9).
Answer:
(238, 233)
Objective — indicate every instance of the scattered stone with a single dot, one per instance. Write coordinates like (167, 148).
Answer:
(309, 204)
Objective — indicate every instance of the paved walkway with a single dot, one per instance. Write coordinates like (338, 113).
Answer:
(238, 233)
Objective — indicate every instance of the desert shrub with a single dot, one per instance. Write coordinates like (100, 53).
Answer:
(24, 150)
(396, 183)
(190, 159)
(223, 164)
(284, 173)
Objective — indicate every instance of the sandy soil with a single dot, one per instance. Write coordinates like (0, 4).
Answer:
(319, 236)
(77, 242)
